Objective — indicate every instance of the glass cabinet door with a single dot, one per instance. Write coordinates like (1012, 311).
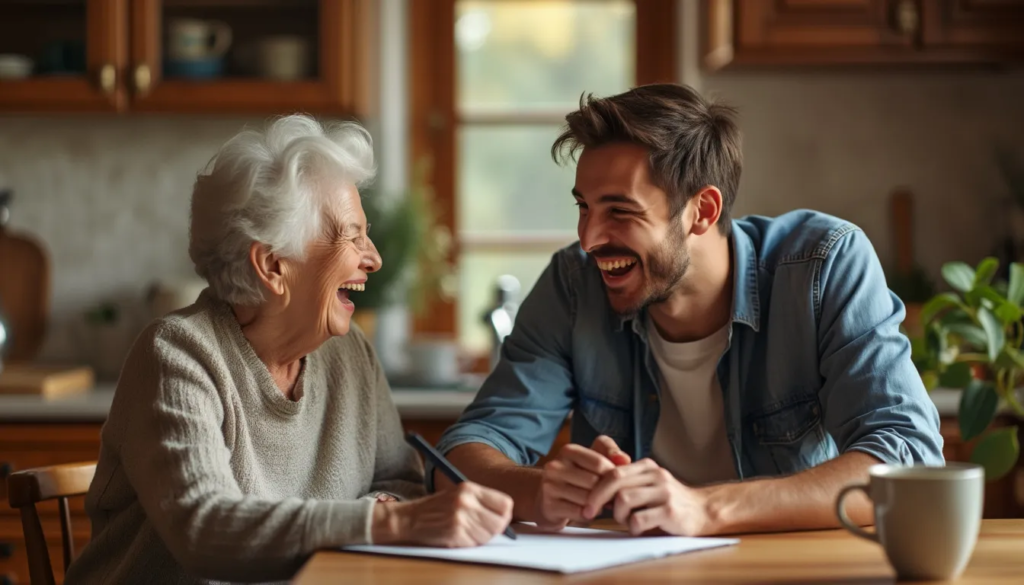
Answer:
(64, 55)
(262, 56)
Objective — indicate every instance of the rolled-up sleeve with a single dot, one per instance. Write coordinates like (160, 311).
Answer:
(873, 396)
(524, 401)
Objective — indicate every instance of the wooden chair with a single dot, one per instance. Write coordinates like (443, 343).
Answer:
(27, 487)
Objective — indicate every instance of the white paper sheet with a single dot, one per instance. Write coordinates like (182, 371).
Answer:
(571, 551)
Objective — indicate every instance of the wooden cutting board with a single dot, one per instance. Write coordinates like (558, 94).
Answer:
(48, 381)
(24, 294)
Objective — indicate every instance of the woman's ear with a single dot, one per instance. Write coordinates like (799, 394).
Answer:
(269, 268)
(707, 208)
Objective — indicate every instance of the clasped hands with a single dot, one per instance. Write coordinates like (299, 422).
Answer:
(580, 482)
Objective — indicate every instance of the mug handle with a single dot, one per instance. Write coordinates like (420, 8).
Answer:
(221, 38)
(845, 520)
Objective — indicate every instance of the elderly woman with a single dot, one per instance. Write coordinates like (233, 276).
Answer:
(256, 426)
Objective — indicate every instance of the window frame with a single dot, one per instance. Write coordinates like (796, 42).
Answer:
(434, 122)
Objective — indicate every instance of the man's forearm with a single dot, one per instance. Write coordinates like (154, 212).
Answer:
(799, 502)
(489, 467)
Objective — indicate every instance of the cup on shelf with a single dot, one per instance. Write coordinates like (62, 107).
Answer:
(14, 66)
(196, 48)
(282, 58)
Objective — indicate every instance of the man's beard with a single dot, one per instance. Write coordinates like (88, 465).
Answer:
(666, 266)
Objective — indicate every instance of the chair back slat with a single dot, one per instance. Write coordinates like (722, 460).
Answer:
(39, 568)
(67, 538)
(28, 487)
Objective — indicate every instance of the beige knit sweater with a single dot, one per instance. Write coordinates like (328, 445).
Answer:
(208, 473)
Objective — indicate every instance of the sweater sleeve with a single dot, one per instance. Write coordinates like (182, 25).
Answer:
(175, 456)
(398, 470)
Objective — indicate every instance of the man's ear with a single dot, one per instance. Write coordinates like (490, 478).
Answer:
(707, 208)
(269, 268)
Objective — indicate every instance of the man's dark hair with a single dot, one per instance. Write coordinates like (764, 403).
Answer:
(693, 142)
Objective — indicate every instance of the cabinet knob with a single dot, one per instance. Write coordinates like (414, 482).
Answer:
(908, 17)
(143, 79)
(6, 550)
(108, 78)
(5, 470)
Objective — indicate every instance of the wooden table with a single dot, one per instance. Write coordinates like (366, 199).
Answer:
(828, 556)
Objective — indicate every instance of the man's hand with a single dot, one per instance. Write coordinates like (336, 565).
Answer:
(569, 478)
(648, 498)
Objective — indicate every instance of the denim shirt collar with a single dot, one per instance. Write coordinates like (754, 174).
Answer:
(746, 304)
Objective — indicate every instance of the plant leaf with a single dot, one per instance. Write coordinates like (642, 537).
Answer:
(1015, 292)
(986, 270)
(937, 304)
(1010, 358)
(997, 452)
(959, 275)
(977, 296)
(957, 375)
(977, 407)
(1008, 312)
(970, 333)
(994, 332)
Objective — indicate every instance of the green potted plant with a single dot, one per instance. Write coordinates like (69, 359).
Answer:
(972, 341)
(414, 247)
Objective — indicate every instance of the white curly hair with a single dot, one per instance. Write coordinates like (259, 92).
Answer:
(269, 186)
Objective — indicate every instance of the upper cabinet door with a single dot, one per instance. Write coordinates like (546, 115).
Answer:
(809, 31)
(62, 55)
(251, 56)
(865, 32)
(979, 29)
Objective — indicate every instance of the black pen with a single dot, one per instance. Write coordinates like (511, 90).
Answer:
(441, 463)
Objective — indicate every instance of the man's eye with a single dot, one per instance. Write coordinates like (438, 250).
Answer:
(617, 211)
(581, 205)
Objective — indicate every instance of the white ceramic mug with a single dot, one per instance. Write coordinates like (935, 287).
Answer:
(284, 58)
(434, 361)
(927, 518)
(194, 40)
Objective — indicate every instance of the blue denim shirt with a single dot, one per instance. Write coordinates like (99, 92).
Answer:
(815, 366)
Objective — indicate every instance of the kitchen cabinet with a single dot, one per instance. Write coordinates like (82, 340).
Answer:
(77, 52)
(23, 446)
(862, 32)
(195, 56)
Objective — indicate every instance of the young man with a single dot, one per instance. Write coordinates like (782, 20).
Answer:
(724, 375)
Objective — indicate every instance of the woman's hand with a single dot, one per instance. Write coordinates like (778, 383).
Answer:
(465, 515)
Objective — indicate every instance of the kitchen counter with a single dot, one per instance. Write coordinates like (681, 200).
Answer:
(419, 403)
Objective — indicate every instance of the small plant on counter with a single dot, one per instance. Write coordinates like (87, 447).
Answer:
(414, 246)
(972, 341)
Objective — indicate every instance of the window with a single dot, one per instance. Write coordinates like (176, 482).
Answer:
(492, 81)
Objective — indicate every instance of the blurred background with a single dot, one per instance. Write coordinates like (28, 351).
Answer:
(903, 116)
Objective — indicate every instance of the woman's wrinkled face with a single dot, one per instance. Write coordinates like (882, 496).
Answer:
(325, 287)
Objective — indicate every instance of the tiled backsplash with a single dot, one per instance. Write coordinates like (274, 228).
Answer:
(109, 195)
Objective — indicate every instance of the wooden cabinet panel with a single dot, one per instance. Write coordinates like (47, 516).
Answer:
(339, 30)
(832, 24)
(40, 30)
(862, 32)
(126, 57)
(23, 446)
(990, 28)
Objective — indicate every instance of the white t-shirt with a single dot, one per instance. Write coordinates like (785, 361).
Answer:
(690, 439)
